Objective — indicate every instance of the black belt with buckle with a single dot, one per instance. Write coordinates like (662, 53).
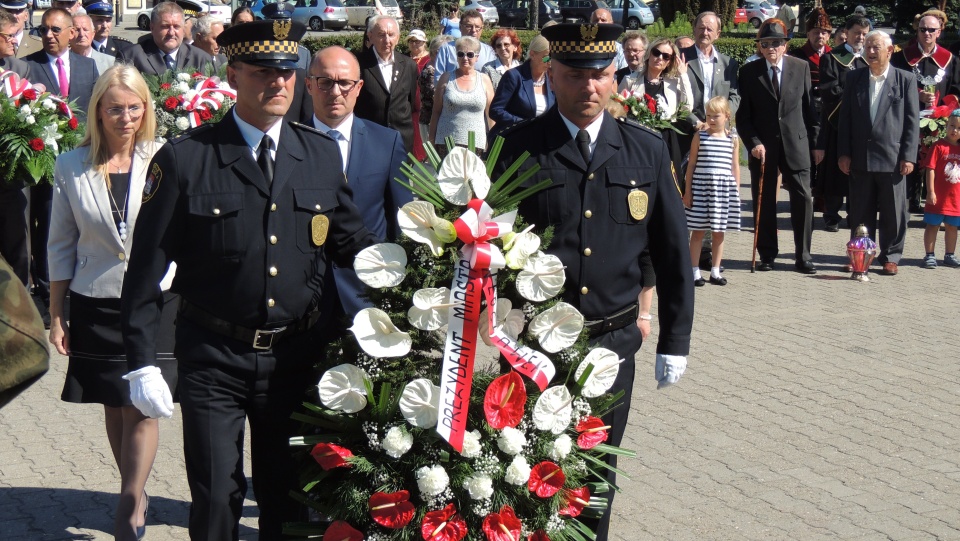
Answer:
(613, 322)
(258, 338)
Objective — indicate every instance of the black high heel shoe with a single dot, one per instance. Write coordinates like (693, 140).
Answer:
(142, 530)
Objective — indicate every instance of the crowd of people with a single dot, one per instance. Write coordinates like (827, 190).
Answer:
(248, 221)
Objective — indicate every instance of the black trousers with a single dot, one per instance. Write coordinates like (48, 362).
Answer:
(886, 194)
(13, 230)
(41, 203)
(797, 184)
(223, 383)
(626, 343)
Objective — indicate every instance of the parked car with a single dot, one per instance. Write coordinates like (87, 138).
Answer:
(317, 15)
(654, 6)
(639, 15)
(360, 11)
(515, 13)
(190, 7)
(491, 17)
(758, 11)
(579, 11)
(740, 17)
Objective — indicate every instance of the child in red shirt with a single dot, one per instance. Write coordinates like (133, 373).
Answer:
(942, 166)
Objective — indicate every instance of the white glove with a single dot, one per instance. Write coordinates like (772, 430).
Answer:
(150, 393)
(669, 369)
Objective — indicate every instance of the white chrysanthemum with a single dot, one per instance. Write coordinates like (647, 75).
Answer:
(479, 486)
(183, 77)
(471, 444)
(560, 447)
(511, 441)
(48, 105)
(30, 119)
(397, 442)
(181, 87)
(518, 472)
(432, 480)
(183, 123)
(343, 388)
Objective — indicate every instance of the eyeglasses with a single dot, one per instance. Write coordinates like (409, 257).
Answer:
(135, 112)
(660, 54)
(8, 37)
(771, 44)
(467, 54)
(926, 30)
(326, 84)
(55, 29)
(504, 44)
(471, 26)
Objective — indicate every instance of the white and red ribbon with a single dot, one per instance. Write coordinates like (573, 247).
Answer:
(203, 99)
(13, 85)
(474, 279)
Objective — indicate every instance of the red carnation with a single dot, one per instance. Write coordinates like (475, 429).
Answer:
(546, 478)
(651, 103)
(73, 123)
(331, 456)
(592, 432)
(443, 525)
(37, 144)
(391, 510)
(171, 103)
(205, 115)
(30, 94)
(339, 530)
(197, 75)
(64, 108)
(165, 86)
(504, 401)
(574, 500)
(538, 535)
(502, 526)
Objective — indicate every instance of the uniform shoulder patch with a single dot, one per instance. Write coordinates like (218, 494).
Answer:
(152, 182)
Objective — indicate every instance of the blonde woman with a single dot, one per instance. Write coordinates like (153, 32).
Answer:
(96, 200)
(462, 100)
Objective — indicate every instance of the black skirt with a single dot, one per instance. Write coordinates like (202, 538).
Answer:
(97, 360)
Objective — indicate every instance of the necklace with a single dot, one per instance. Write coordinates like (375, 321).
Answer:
(541, 81)
(119, 168)
(122, 224)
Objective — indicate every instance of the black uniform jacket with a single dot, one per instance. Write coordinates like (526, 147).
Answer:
(596, 235)
(246, 252)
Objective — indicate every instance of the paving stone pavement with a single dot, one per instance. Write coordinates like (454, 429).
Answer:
(813, 408)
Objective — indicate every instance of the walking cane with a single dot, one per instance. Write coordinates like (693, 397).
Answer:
(756, 225)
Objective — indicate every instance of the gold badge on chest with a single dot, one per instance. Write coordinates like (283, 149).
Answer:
(319, 226)
(637, 201)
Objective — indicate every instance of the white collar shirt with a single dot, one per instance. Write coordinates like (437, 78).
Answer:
(253, 136)
(345, 129)
(386, 67)
(65, 56)
(707, 65)
(876, 85)
(593, 129)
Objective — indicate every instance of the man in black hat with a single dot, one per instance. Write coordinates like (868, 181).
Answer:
(101, 13)
(778, 126)
(252, 209)
(613, 199)
(301, 109)
(24, 44)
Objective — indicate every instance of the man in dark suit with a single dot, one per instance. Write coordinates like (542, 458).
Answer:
(71, 76)
(8, 58)
(389, 90)
(877, 145)
(711, 72)
(778, 126)
(334, 83)
(205, 32)
(612, 199)
(634, 46)
(252, 213)
(166, 50)
(101, 13)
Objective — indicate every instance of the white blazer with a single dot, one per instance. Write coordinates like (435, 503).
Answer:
(84, 245)
(675, 91)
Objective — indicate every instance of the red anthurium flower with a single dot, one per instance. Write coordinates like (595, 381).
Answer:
(330, 456)
(592, 432)
(443, 525)
(651, 103)
(392, 510)
(546, 478)
(574, 500)
(37, 144)
(504, 401)
(341, 531)
(502, 526)
(538, 535)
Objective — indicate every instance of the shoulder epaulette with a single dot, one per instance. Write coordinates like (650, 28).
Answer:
(191, 132)
(514, 127)
(122, 40)
(634, 124)
(307, 128)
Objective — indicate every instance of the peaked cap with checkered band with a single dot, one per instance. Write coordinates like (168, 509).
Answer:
(583, 46)
(273, 44)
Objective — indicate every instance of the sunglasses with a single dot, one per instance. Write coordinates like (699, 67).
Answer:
(661, 54)
(926, 30)
(466, 54)
(504, 44)
(55, 29)
(771, 44)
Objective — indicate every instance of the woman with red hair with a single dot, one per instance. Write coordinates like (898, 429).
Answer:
(506, 45)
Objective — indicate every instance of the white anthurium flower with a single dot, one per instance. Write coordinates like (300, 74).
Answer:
(541, 278)
(606, 366)
(558, 327)
(381, 265)
(463, 176)
(520, 247)
(378, 336)
(508, 320)
(343, 388)
(419, 221)
(420, 403)
(553, 410)
(430, 309)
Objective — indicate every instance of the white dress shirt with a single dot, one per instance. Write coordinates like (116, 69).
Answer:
(66, 65)
(386, 67)
(778, 74)
(593, 129)
(253, 136)
(345, 129)
(707, 64)
(876, 85)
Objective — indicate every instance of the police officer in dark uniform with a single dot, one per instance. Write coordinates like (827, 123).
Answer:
(252, 209)
(613, 196)
(101, 14)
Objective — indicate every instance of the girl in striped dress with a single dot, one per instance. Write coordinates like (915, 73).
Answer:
(712, 194)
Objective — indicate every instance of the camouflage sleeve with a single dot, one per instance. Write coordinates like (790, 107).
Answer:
(24, 356)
